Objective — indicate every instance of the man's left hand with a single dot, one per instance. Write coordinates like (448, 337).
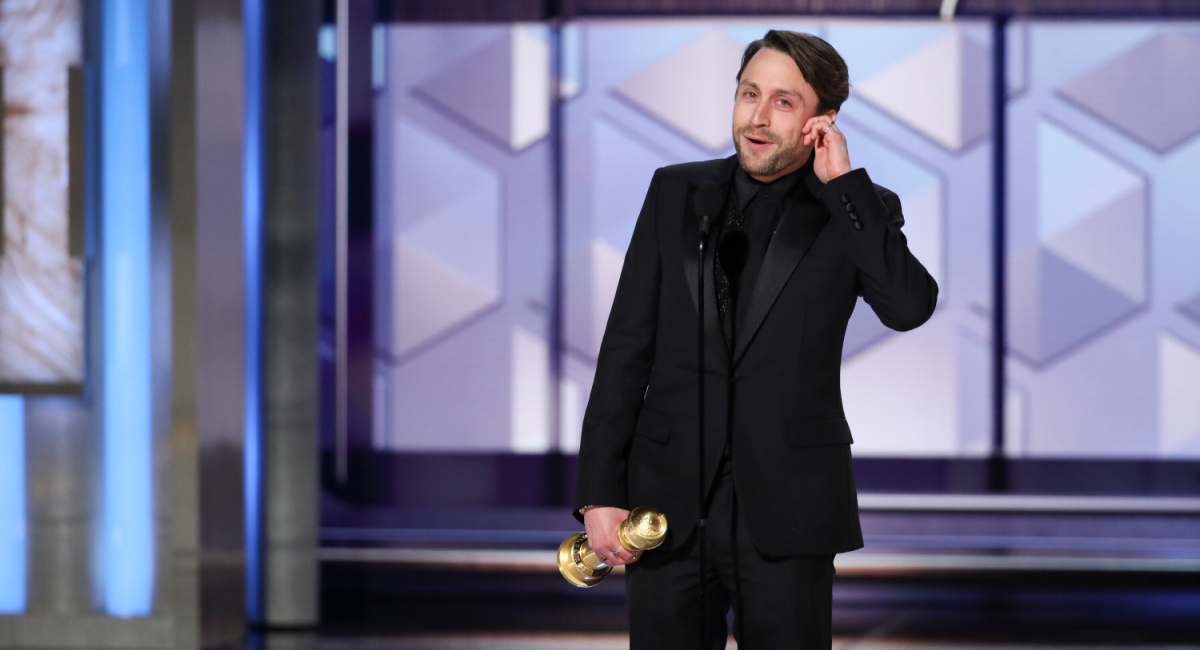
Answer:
(832, 158)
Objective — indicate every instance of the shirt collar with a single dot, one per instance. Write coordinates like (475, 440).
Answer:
(748, 187)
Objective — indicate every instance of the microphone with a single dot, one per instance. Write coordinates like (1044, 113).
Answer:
(707, 202)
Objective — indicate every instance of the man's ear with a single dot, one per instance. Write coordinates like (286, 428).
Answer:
(831, 114)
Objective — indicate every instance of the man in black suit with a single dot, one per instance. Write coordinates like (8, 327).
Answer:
(798, 235)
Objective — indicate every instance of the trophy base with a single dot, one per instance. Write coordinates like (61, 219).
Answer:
(571, 566)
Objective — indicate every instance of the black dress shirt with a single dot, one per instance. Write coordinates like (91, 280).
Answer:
(761, 205)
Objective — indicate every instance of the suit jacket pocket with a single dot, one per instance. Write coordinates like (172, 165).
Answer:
(654, 426)
(818, 432)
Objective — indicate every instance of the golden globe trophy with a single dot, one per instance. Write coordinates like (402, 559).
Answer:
(642, 530)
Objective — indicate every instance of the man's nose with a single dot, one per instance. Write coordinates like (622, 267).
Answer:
(761, 115)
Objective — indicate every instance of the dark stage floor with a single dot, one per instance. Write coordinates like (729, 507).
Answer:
(398, 606)
(935, 574)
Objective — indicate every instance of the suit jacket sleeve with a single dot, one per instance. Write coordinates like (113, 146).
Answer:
(622, 368)
(890, 279)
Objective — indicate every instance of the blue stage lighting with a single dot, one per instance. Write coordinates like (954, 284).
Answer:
(12, 504)
(252, 195)
(127, 555)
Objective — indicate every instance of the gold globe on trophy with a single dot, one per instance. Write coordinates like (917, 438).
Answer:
(642, 530)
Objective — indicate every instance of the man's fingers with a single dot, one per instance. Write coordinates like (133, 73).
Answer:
(621, 557)
(602, 524)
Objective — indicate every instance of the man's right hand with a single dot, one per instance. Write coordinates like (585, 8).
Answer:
(601, 524)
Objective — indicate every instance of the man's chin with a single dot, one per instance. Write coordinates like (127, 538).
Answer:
(766, 166)
(756, 167)
(749, 165)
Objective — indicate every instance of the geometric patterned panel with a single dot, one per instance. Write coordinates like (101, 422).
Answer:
(1104, 297)
(571, 82)
(618, 160)
(530, 384)
(1164, 73)
(1104, 303)
(464, 175)
(1056, 306)
(463, 179)
(1179, 407)
(447, 251)
(691, 89)
(469, 363)
(1191, 307)
(502, 89)
(1017, 60)
(1088, 267)
(937, 90)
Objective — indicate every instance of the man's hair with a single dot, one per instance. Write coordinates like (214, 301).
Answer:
(821, 66)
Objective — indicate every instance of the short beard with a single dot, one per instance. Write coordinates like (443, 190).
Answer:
(775, 163)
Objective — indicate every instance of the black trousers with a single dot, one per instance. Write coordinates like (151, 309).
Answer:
(777, 602)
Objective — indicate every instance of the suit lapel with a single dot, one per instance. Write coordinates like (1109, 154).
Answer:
(801, 221)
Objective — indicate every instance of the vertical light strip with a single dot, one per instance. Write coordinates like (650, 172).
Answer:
(998, 469)
(12, 504)
(128, 518)
(3, 239)
(252, 26)
(341, 430)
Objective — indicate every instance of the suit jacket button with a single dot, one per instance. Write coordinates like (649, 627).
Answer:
(845, 198)
(858, 225)
(849, 207)
(854, 217)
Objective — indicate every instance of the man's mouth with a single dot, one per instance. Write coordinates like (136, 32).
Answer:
(758, 141)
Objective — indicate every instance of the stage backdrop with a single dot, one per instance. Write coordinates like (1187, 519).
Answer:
(1103, 241)
(1103, 286)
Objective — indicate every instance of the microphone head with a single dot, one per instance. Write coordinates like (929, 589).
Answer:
(707, 202)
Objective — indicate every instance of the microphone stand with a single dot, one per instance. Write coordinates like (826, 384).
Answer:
(702, 522)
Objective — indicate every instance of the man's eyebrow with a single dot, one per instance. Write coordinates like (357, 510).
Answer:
(777, 91)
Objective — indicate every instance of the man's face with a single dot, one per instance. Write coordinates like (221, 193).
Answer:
(773, 103)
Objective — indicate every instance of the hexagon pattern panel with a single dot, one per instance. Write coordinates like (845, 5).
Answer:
(1162, 74)
(1103, 334)
(447, 245)
(1102, 284)
(937, 90)
(502, 89)
(464, 240)
(1088, 267)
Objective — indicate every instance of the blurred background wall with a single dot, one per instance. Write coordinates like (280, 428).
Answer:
(282, 279)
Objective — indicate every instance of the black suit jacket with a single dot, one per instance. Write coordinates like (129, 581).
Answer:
(791, 441)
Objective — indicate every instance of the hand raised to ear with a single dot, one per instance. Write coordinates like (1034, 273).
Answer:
(832, 159)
